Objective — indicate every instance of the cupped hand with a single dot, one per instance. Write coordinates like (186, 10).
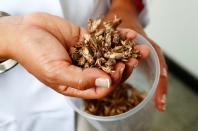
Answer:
(40, 43)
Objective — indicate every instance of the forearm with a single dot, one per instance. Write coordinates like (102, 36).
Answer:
(129, 14)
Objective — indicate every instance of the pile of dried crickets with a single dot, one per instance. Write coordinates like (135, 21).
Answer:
(103, 46)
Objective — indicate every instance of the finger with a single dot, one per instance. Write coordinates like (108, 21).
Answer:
(95, 92)
(127, 33)
(131, 34)
(117, 74)
(144, 50)
(76, 77)
(129, 65)
(161, 92)
(132, 62)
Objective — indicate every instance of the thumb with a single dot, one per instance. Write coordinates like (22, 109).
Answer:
(76, 77)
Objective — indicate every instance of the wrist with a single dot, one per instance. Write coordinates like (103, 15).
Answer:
(129, 20)
(9, 33)
(4, 52)
(5, 64)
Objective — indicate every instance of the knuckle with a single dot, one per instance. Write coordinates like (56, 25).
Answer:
(116, 77)
(81, 84)
(76, 33)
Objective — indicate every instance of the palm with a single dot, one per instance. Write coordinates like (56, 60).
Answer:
(45, 42)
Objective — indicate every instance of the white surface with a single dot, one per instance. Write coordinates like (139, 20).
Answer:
(174, 25)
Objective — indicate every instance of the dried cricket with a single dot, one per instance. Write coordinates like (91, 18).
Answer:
(103, 46)
(122, 99)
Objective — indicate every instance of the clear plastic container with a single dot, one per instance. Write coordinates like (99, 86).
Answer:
(144, 77)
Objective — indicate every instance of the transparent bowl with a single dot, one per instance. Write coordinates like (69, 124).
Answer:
(145, 77)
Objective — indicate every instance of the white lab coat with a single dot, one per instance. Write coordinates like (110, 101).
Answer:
(25, 103)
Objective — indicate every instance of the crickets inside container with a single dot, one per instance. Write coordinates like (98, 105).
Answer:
(102, 48)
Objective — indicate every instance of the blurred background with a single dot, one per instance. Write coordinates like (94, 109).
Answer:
(174, 26)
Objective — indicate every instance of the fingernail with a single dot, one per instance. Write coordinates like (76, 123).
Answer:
(102, 82)
(163, 100)
(163, 107)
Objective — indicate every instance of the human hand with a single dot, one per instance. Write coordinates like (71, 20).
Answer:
(42, 42)
(161, 92)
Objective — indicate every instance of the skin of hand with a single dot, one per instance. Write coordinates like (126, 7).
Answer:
(129, 14)
(40, 43)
